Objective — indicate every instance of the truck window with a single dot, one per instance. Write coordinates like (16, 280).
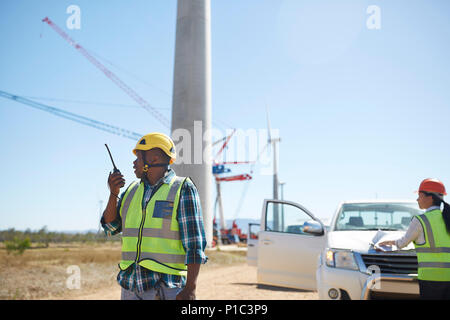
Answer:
(369, 216)
(283, 217)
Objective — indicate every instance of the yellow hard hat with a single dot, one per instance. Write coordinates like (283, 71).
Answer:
(157, 140)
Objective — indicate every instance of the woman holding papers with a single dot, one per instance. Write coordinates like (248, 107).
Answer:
(430, 233)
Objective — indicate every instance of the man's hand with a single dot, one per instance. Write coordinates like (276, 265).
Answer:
(115, 182)
(186, 294)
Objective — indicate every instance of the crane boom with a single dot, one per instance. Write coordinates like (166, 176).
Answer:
(240, 177)
(225, 144)
(74, 117)
(143, 103)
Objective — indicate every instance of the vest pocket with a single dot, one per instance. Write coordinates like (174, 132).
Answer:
(163, 209)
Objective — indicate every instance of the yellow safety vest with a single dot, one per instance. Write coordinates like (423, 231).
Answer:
(151, 235)
(434, 255)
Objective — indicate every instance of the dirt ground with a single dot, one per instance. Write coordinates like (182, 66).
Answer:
(44, 273)
(237, 282)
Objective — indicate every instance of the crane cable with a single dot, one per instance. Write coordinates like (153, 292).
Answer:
(247, 183)
(74, 117)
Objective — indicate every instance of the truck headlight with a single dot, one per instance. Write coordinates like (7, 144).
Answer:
(343, 259)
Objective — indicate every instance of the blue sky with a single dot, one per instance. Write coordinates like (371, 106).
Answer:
(361, 113)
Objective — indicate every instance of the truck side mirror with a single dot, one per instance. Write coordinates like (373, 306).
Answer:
(313, 227)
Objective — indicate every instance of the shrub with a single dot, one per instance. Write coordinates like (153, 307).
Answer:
(17, 245)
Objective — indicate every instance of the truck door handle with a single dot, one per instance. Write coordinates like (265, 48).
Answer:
(267, 242)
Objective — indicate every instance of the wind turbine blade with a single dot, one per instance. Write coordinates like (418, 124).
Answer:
(268, 126)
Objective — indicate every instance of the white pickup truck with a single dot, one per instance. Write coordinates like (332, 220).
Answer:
(294, 249)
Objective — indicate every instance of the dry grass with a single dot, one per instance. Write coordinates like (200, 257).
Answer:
(224, 258)
(41, 273)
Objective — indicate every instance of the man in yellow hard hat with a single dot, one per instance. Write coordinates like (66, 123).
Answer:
(163, 237)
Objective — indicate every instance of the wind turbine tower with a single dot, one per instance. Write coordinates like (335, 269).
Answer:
(191, 103)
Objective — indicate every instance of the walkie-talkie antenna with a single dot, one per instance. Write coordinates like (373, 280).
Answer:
(115, 168)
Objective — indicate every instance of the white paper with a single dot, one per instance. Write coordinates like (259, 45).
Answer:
(382, 236)
(385, 248)
(378, 236)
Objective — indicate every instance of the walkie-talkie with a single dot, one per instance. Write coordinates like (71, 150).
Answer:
(115, 168)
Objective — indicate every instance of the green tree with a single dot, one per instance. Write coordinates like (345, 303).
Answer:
(17, 245)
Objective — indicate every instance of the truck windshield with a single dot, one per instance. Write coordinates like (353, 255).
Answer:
(374, 216)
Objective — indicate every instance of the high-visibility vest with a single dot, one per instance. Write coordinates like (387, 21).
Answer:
(151, 235)
(433, 257)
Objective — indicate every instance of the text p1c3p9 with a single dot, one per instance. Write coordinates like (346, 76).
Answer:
(246, 309)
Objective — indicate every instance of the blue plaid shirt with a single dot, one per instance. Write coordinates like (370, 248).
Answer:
(192, 235)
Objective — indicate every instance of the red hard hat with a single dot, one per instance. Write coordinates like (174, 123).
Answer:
(432, 185)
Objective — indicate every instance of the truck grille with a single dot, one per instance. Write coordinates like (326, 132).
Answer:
(392, 263)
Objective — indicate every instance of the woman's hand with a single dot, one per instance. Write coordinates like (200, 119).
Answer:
(389, 243)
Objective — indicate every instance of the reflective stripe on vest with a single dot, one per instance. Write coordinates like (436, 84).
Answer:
(128, 199)
(434, 265)
(433, 250)
(434, 255)
(165, 232)
(150, 235)
(429, 231)
(160, 257)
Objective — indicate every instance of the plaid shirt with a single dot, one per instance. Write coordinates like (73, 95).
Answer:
(192, 235)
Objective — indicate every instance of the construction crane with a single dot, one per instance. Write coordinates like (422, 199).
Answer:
(74, 117)
(271, 142)
(141, 101)
(219, 169)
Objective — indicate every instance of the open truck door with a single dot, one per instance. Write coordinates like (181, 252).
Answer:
(289, 244)
(252, 244)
